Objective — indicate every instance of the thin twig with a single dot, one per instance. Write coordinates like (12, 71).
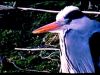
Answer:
(36, 49)
(16, 66)
(49, 56)
(52, 11)
(50, 59)
(26, 69)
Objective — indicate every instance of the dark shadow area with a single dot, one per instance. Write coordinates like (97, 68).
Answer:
(94, 43)
(15, 19)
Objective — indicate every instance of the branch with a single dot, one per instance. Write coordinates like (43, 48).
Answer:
(4, 7)
(36, 49)
(91, 12)
(52, 11)
(33, 9)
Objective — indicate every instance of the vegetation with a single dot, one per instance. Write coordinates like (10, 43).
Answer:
(16, 28)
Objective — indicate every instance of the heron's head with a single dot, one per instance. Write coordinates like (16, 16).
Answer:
(63, 19)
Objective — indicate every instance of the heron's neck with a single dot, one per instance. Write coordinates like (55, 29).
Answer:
(64, 63)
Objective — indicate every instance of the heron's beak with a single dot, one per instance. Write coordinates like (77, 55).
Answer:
(46, 28)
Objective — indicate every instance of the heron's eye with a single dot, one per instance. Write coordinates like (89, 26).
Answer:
(63, 22)
(67, 21)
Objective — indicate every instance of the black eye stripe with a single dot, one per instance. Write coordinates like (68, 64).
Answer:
(74, 15)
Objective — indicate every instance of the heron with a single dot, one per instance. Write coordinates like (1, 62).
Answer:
(74, 29)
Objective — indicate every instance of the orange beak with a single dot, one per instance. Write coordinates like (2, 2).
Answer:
(46, 28)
